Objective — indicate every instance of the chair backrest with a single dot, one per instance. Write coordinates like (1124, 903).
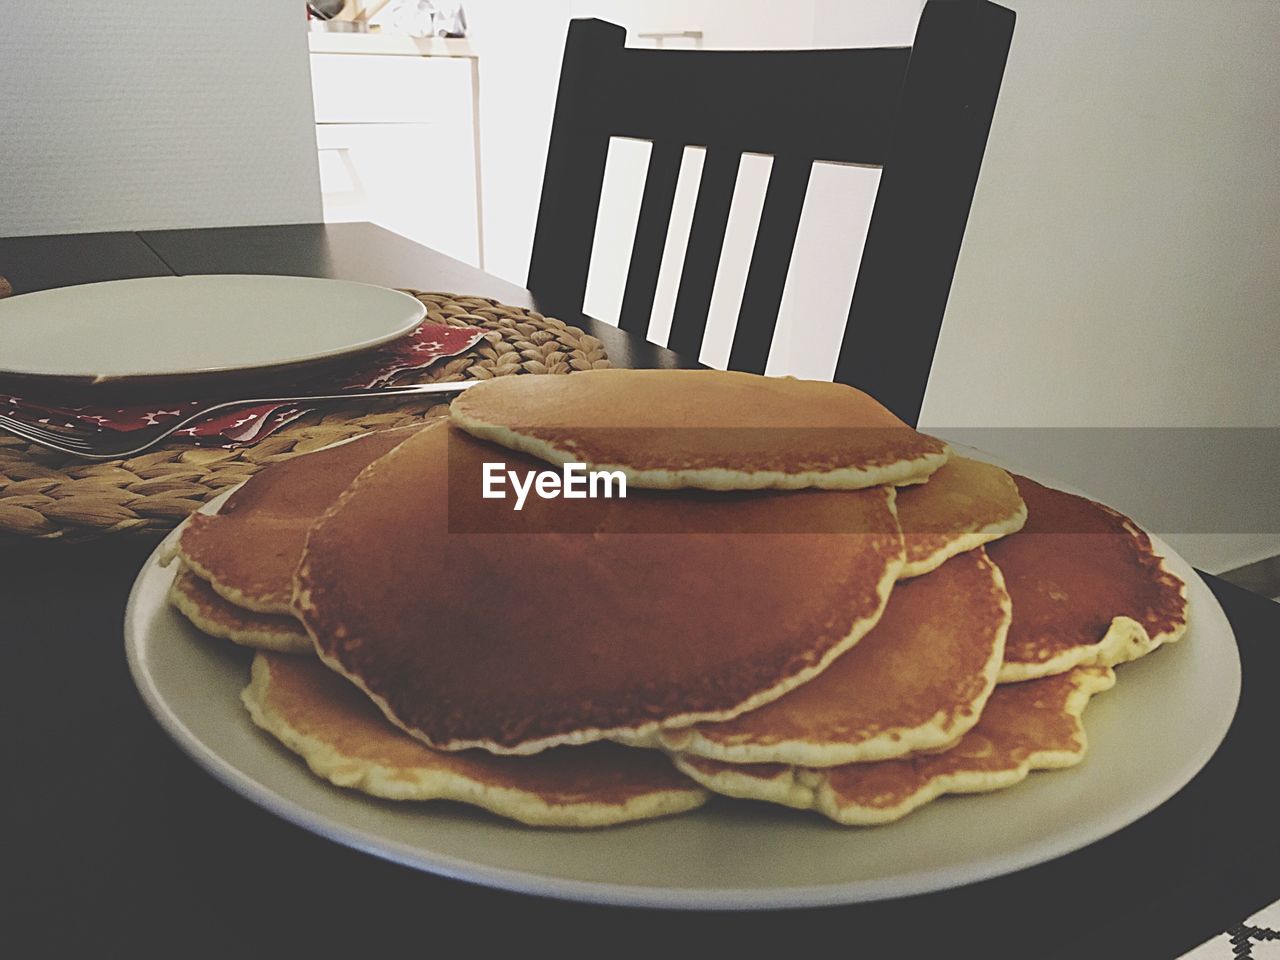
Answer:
(921, 113)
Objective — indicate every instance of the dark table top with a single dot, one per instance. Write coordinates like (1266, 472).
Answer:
(115, 840)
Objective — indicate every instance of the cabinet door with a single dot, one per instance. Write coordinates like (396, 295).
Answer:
(416, 179)
(377, 89)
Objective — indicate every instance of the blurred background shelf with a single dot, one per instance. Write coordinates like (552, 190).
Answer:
(389, 44)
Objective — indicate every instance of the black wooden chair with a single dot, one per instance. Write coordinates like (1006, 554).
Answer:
(922, 113)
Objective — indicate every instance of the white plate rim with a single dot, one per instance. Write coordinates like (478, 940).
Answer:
(417, 310)
(691, 898)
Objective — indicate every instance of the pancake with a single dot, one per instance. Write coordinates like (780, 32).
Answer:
(344, 739)
(1087, 587)
(918, 681)
(709, 429)
(199, 603)
(965, 504)
(1024, 727)
(248, 549)
(524, 639)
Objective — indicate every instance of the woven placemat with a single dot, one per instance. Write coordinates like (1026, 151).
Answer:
(47, 495)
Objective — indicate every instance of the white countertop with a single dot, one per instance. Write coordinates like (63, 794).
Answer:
(389, 44)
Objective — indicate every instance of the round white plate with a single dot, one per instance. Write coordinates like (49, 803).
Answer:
(188, 326)
(1148, 737)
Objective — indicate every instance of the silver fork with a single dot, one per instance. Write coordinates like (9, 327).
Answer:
(117, 446)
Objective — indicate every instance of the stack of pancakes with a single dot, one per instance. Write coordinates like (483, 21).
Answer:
(799, 600)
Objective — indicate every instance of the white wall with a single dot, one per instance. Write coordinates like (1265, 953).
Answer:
(520, 45)
(1122, 261)
(154, 114)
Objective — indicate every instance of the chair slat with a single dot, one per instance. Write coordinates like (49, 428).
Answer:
(702, 255)
(770, 262)
(651, 236)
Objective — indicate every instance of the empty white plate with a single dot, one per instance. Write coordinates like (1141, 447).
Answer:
(166, 327)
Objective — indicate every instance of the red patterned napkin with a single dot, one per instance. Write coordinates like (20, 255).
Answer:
(246, 425)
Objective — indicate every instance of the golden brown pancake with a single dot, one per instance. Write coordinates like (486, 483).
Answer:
(709, 429)
(1024, 727)
(917, 681)
(210, 613)
(345, 740)
(521, 640)
(248, 549)
(965, 504)
(1087, 587)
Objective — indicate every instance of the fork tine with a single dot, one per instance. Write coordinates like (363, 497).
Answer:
(19, 431)
(37, 434)
(22, 434)
(75, 443)
(107, 446)
(9, 423)
(35, 430)
(97, 447)
(83, 453)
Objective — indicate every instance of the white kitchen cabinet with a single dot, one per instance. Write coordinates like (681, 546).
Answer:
(398, 140)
